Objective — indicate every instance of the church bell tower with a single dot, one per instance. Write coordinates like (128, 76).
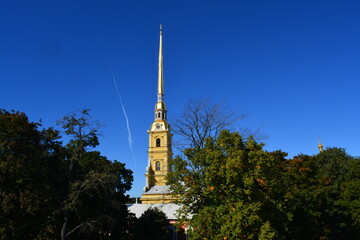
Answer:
(159, 151)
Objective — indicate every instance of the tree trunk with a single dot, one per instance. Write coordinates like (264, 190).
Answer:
(64, 227)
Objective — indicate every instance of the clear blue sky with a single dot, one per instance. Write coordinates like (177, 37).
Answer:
(292, 66)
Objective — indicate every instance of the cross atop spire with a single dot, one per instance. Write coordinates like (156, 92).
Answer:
(160, 71)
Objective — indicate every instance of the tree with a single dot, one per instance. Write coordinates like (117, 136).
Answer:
(333, 166)
(314, 195)
(31, 180)
(152, 225)
(95, 205)
(303, 198)
(350, 195)
(232, 188)
(51, 191)
(199, 119)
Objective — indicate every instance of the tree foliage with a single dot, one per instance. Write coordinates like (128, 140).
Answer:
(152, 225)
(315, 196)
(228, 187)
(29, 164)
(350, 193)
(52, 191)
(94, 183)
(233, 189)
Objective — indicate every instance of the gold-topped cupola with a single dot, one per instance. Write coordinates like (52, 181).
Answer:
(320, 146)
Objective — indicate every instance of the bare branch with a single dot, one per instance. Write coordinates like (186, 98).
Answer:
(199, 119)
(90, 224)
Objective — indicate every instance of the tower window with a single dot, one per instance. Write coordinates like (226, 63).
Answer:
(157, 166)
(158, 142)
(159, 114)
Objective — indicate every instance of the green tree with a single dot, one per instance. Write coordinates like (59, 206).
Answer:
(350, 194)
(95, 204)
(304, 198)
(152, 225)
(31, 179)
(315, 194)
(51, 191)
(333, 166)
(232, 189)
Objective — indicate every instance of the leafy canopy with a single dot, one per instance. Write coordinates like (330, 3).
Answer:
(53, 191)
(232, 188)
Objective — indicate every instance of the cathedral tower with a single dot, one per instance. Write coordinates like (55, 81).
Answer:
(159, 151)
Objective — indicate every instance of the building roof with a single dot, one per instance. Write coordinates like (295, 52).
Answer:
(170, 209)
(158, 190)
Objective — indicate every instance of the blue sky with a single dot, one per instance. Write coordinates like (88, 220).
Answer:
(291, 66)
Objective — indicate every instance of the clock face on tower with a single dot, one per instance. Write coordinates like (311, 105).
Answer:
(158, 126)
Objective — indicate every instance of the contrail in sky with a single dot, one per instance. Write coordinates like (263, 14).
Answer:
(126, 117)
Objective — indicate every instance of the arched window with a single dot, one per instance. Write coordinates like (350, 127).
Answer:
(158, 142)
(159, 114)
(157, 166)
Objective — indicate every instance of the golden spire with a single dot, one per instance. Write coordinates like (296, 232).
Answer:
(320, 146)
(160, 108)
(160, 73)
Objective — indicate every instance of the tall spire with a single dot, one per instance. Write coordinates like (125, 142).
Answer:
(160, 73)
(159, 151)
(160, 108)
